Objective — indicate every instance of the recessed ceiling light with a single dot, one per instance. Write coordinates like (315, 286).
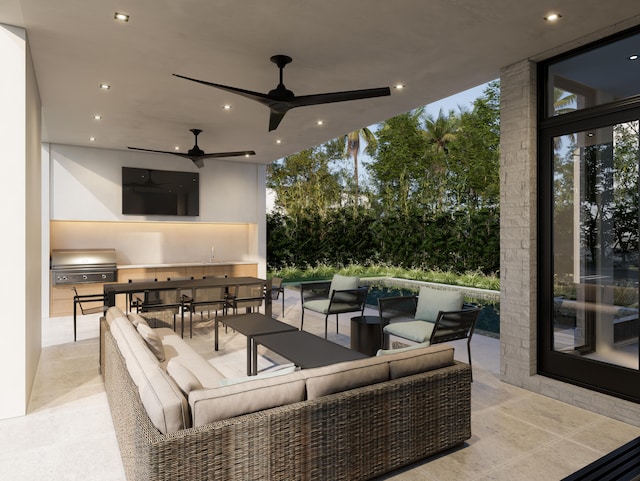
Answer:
(121, 17)
(278, 141)
(97, 117)
(320, 122)
(226, 107)
(177, 147)
(246, 155)
(105, 86)
(399, 86)
(92, 139)
(633, 57)
(552, 17)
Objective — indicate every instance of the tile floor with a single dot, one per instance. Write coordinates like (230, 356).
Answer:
(517, 435)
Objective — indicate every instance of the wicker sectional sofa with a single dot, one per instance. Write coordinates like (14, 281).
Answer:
(349, 421)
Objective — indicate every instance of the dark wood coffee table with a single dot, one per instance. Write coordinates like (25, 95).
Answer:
(306, 350)
(251, 325)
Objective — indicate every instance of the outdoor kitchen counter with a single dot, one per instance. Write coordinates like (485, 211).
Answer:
(184, 264)
(197, 270)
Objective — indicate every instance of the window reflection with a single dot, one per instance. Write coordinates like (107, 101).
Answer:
(599, 76)
(595, 244)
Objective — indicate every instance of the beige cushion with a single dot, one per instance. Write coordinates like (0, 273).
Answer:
(415, 361)
(209, 405)
(340, 283)
(161, 397)
(113, 313)
(183, 377)
(432, 301)
(137, 319)
(322, 381)
(417, 331)
(152, 340)
(176, 348)
(261, 375)
(386, 352)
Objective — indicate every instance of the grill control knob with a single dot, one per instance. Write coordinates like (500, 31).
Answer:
(104, 276)
(84, 277)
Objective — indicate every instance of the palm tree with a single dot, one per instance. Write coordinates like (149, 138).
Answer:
(354, 141)
(440, 131)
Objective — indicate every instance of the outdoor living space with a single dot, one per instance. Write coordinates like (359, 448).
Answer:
(516, 434)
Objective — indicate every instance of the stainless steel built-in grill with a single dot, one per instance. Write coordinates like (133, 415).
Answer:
(83, 266)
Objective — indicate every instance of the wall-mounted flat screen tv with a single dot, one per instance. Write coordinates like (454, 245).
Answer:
(160, 192)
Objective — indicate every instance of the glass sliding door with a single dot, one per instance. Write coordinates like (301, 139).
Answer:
(595, 244)
(589, 218)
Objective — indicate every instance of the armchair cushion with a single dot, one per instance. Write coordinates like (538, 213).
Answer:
(341, 283)
(432, 301)
(417, 331)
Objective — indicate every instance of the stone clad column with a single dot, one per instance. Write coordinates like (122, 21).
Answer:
(518, 223)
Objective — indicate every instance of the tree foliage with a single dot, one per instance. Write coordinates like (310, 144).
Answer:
(432, 198)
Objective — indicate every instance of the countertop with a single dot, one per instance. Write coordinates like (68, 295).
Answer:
(183, 264)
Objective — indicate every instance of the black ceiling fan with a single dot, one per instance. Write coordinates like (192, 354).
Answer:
(280, 100)
(196, 154)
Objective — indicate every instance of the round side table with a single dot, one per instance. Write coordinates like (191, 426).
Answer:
(366, 334)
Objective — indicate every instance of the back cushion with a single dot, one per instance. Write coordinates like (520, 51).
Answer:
(177, 349)
(322, 381)
(416, 361)
(113, 313)
(340, 283)
(432, 301)
(209, 405)
(161, 397)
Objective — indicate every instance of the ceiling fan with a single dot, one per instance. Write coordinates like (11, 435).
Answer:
(280, 100)
(196, 154)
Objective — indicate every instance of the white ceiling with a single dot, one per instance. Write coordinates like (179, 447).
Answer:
(435, 47)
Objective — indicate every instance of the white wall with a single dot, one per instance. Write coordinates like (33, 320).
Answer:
(86, 209)
(229, 191)
(20, 189)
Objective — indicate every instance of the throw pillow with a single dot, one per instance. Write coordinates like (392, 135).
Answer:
(432, 301)
(183, 377)
(340, 283)
(152, 340)
(137, 319)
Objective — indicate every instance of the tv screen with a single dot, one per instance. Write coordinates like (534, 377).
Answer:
(160, 192)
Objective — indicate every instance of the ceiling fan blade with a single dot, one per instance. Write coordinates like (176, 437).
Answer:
(150, 150)
(317, 99)
(199, 161)
(257, 96)
(275, 118)
(217, 155)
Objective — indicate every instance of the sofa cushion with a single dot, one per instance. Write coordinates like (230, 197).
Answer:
(161, 397)
(386, 352)
(415, 361)
(432, 301)
(322, 381)
(261, 375)
(113, 313)
(209, 405)
(183, 377)
(152, 340)
(176, 348)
